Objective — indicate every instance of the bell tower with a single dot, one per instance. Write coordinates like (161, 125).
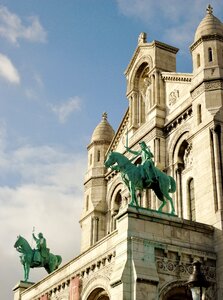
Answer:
(94, 209)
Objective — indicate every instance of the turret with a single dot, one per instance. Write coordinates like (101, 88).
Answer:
(207, 49)
(94, 209)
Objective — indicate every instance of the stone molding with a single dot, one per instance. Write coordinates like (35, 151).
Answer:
(206, 38)
(206, 86)
(101, 142)
(176, 77)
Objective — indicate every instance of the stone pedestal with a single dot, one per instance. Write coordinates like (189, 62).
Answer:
(20, 287)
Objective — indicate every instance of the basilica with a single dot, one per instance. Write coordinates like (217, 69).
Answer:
(138, 251)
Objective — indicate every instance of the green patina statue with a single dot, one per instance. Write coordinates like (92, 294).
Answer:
(36, 258)
(143, 176)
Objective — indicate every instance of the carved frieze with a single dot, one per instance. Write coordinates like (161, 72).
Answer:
(179, 268)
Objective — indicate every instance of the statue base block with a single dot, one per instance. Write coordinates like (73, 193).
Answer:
(20, 287)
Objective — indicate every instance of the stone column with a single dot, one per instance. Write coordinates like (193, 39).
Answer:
(153, 90)
(157, 150)
(131, 110)
(95, 221)
(217, 164)
(157, 88)
(20, 287)
(135, 109)
(162, 94)
(179, 208)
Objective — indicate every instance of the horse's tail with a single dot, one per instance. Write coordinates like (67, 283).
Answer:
(172, 188)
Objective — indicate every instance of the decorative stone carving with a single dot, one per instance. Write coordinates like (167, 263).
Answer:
(176, 122)
(142, 38)
(188, 156)
(173, 97)
(179, 268)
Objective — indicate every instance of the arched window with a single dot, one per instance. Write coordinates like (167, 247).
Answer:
(198, 60)
(191, 199)
(98, 155)
(117, 204)
(199, 115)
(210, 54)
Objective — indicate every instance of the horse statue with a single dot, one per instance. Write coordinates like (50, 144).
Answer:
(50, 263)
(133, 179)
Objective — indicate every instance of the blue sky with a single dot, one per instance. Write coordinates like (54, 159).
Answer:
(62, 65)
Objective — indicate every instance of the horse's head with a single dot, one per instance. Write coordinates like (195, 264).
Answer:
(110, 160)
(21, 244)
(18, 241)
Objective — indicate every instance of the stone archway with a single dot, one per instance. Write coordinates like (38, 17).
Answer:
(178, 293)
(98, 294)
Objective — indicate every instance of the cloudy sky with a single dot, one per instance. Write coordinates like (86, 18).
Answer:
(61, 67)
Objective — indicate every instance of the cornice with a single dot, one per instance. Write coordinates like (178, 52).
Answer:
(207, 85)
(101, 142)
(149, 45)
(204, 38)
(169, 76)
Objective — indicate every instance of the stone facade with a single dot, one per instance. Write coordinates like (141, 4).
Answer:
(138, 253)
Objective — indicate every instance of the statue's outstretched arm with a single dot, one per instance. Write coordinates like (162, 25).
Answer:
(133, 152)
(34, 237)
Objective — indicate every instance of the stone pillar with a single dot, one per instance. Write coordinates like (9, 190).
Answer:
(153, 89)
(179, 192)
(157, 88)
(162, 93)
(95, 221)
(157, 150)
(135, 110)
(20, 287)
(217, 163)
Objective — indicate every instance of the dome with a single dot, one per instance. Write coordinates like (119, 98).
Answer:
(209, 25)
(103, 131)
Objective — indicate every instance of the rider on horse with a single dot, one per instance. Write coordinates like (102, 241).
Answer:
(147, 168)
(42, 252)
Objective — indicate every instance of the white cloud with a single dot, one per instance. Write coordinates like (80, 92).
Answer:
(47, 194)
(12, 28)
(64, 110)
(8, 71)
(180, 17)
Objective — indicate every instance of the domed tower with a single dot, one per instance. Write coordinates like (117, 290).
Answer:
(207, 49)
(94, 211)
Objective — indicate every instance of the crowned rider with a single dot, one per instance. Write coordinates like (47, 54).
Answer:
(148, 170)
(42, 250)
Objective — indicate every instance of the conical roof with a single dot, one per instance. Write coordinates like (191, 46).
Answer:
(209, 25)
(103, 131)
